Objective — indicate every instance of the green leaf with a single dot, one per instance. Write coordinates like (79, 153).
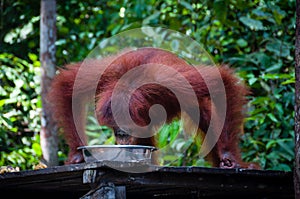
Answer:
(272, 117)
(261, 13)
(152, 17)
(37, 149)
(242, 43)
(163, 136)
(278, 47)
(283, 167)
(279, 108)
(261, 59)
(19, 83)
(187, 5)
(2, 102)
(253, 24)
(284, 144)
(252, 80)
(278, 14)
(289, 81)
(6, 121)
(276, 76)
(275, 67)
(170, 158)
(271, 144)
(265, 86)
(220, 8)
(32, 57)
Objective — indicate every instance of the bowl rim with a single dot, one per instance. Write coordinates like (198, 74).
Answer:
(152, 148)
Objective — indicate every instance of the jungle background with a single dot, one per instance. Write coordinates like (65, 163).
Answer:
(254, 37)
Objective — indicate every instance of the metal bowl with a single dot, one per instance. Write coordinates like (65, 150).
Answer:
(117, 153)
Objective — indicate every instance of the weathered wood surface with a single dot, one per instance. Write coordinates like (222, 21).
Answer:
(164, 182)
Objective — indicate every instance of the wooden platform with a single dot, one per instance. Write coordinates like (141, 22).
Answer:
(163, 182)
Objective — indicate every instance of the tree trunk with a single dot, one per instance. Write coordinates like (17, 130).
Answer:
(49, 137)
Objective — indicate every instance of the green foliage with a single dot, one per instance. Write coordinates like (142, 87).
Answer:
(178, 148)
(269, 138)
(98, 134)
(19, 111)
(19, 27)
(255, 37)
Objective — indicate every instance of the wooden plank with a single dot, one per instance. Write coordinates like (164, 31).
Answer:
(167, 182)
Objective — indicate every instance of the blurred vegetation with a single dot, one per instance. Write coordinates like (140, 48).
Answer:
(255, 37)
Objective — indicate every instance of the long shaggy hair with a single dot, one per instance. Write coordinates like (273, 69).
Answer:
(128, 99)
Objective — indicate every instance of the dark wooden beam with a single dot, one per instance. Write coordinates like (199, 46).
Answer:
(163, 182)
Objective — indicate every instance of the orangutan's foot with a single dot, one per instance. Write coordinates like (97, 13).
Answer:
(228, 161)
(75, 157)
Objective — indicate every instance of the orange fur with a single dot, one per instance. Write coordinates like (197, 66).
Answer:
(225, 154)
